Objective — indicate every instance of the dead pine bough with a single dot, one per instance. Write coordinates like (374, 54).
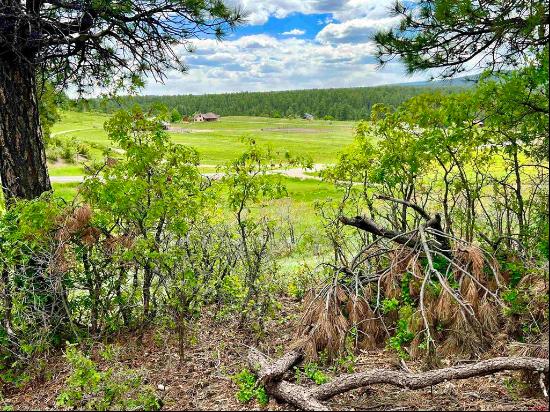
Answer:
(440, 294)
(310, 399)
(422, 292)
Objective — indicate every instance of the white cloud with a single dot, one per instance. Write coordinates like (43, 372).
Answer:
(359, 30)
(262, 63)
(259, 11)
(341, 55)
(294, 32)
(349, 21)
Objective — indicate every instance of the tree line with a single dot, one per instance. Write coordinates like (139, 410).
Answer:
(329, 104)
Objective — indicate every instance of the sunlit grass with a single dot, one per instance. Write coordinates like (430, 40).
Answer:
(219, 142)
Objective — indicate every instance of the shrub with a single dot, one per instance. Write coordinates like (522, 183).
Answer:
(248, 388)
(89, 388)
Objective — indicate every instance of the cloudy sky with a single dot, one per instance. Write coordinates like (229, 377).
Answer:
(291, 44)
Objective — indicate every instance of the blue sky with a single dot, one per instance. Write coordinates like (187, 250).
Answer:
(291, 44)
(309, 24)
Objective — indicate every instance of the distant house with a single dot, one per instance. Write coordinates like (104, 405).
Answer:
(307, 116)
(206, 117)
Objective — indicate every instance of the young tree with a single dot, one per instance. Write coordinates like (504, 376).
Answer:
(175, 116)
(89, 44)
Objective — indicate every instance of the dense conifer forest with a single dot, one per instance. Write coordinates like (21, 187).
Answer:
(337, 104)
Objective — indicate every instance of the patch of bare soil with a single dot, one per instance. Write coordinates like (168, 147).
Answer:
(202, 381)
(178, 129)
(292, 130)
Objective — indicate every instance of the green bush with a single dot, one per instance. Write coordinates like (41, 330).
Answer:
(90, 389)
(248, 388)
(402, 335)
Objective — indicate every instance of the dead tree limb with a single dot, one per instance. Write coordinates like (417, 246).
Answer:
(432, 222)
(366, 224)
(275, 371)
(310, 398)
(289, 392)
(423, 380)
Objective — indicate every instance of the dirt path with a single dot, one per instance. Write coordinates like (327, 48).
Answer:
(70, 131)
(299, 173)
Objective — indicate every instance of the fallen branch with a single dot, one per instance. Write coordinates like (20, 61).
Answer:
(310, 398)
(276, 370)
(289, 392)
(425, 379)
(366, 224)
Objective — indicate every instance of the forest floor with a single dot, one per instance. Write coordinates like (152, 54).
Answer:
(203, 380)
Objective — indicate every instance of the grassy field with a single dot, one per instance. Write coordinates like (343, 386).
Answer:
(220, 141)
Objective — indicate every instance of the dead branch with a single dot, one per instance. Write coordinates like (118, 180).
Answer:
(276, 370)
(432, 222)
(310, 398)
(366, 224)
(291, 393)
(425, 379)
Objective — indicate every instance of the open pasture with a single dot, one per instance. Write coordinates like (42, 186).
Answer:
(219, 142)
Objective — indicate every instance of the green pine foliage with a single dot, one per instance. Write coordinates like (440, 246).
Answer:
(328, 104)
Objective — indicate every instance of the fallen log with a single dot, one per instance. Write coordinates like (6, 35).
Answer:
(276, 370)
(425, 379)
(368, 225)
(310, 398)
(289, 392)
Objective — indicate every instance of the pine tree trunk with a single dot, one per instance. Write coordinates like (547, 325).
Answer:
(23, 169)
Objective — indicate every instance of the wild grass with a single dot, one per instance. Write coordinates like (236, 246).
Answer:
(219, 142)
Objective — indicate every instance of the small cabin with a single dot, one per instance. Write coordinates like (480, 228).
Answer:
(206, 117)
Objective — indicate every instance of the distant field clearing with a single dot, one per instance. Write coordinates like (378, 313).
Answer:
(293, 130)
(221, 141)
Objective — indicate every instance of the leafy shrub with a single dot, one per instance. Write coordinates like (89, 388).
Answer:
(517, 301)
(69, 152)
(91, 389)
(83, 149)
(248, 388)
(389, 305)
(402, 335)
(311, 370)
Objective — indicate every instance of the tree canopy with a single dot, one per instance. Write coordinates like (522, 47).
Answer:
(459, 35)
(108, 44)
(93, 45)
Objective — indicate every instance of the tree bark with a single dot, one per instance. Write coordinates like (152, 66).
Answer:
(289, 392)
(276, 370)
(309, 398)
(23, 169)
(426, 379)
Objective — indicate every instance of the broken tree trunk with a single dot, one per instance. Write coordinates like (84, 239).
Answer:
(310, 398)
(434, 223)
(276, 370)
(366, 224)
(289, 392)
(426, 379)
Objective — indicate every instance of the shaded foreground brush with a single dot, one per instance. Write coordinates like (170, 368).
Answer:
(455, 307)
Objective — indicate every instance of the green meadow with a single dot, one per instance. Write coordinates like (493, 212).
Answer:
(219, 142)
